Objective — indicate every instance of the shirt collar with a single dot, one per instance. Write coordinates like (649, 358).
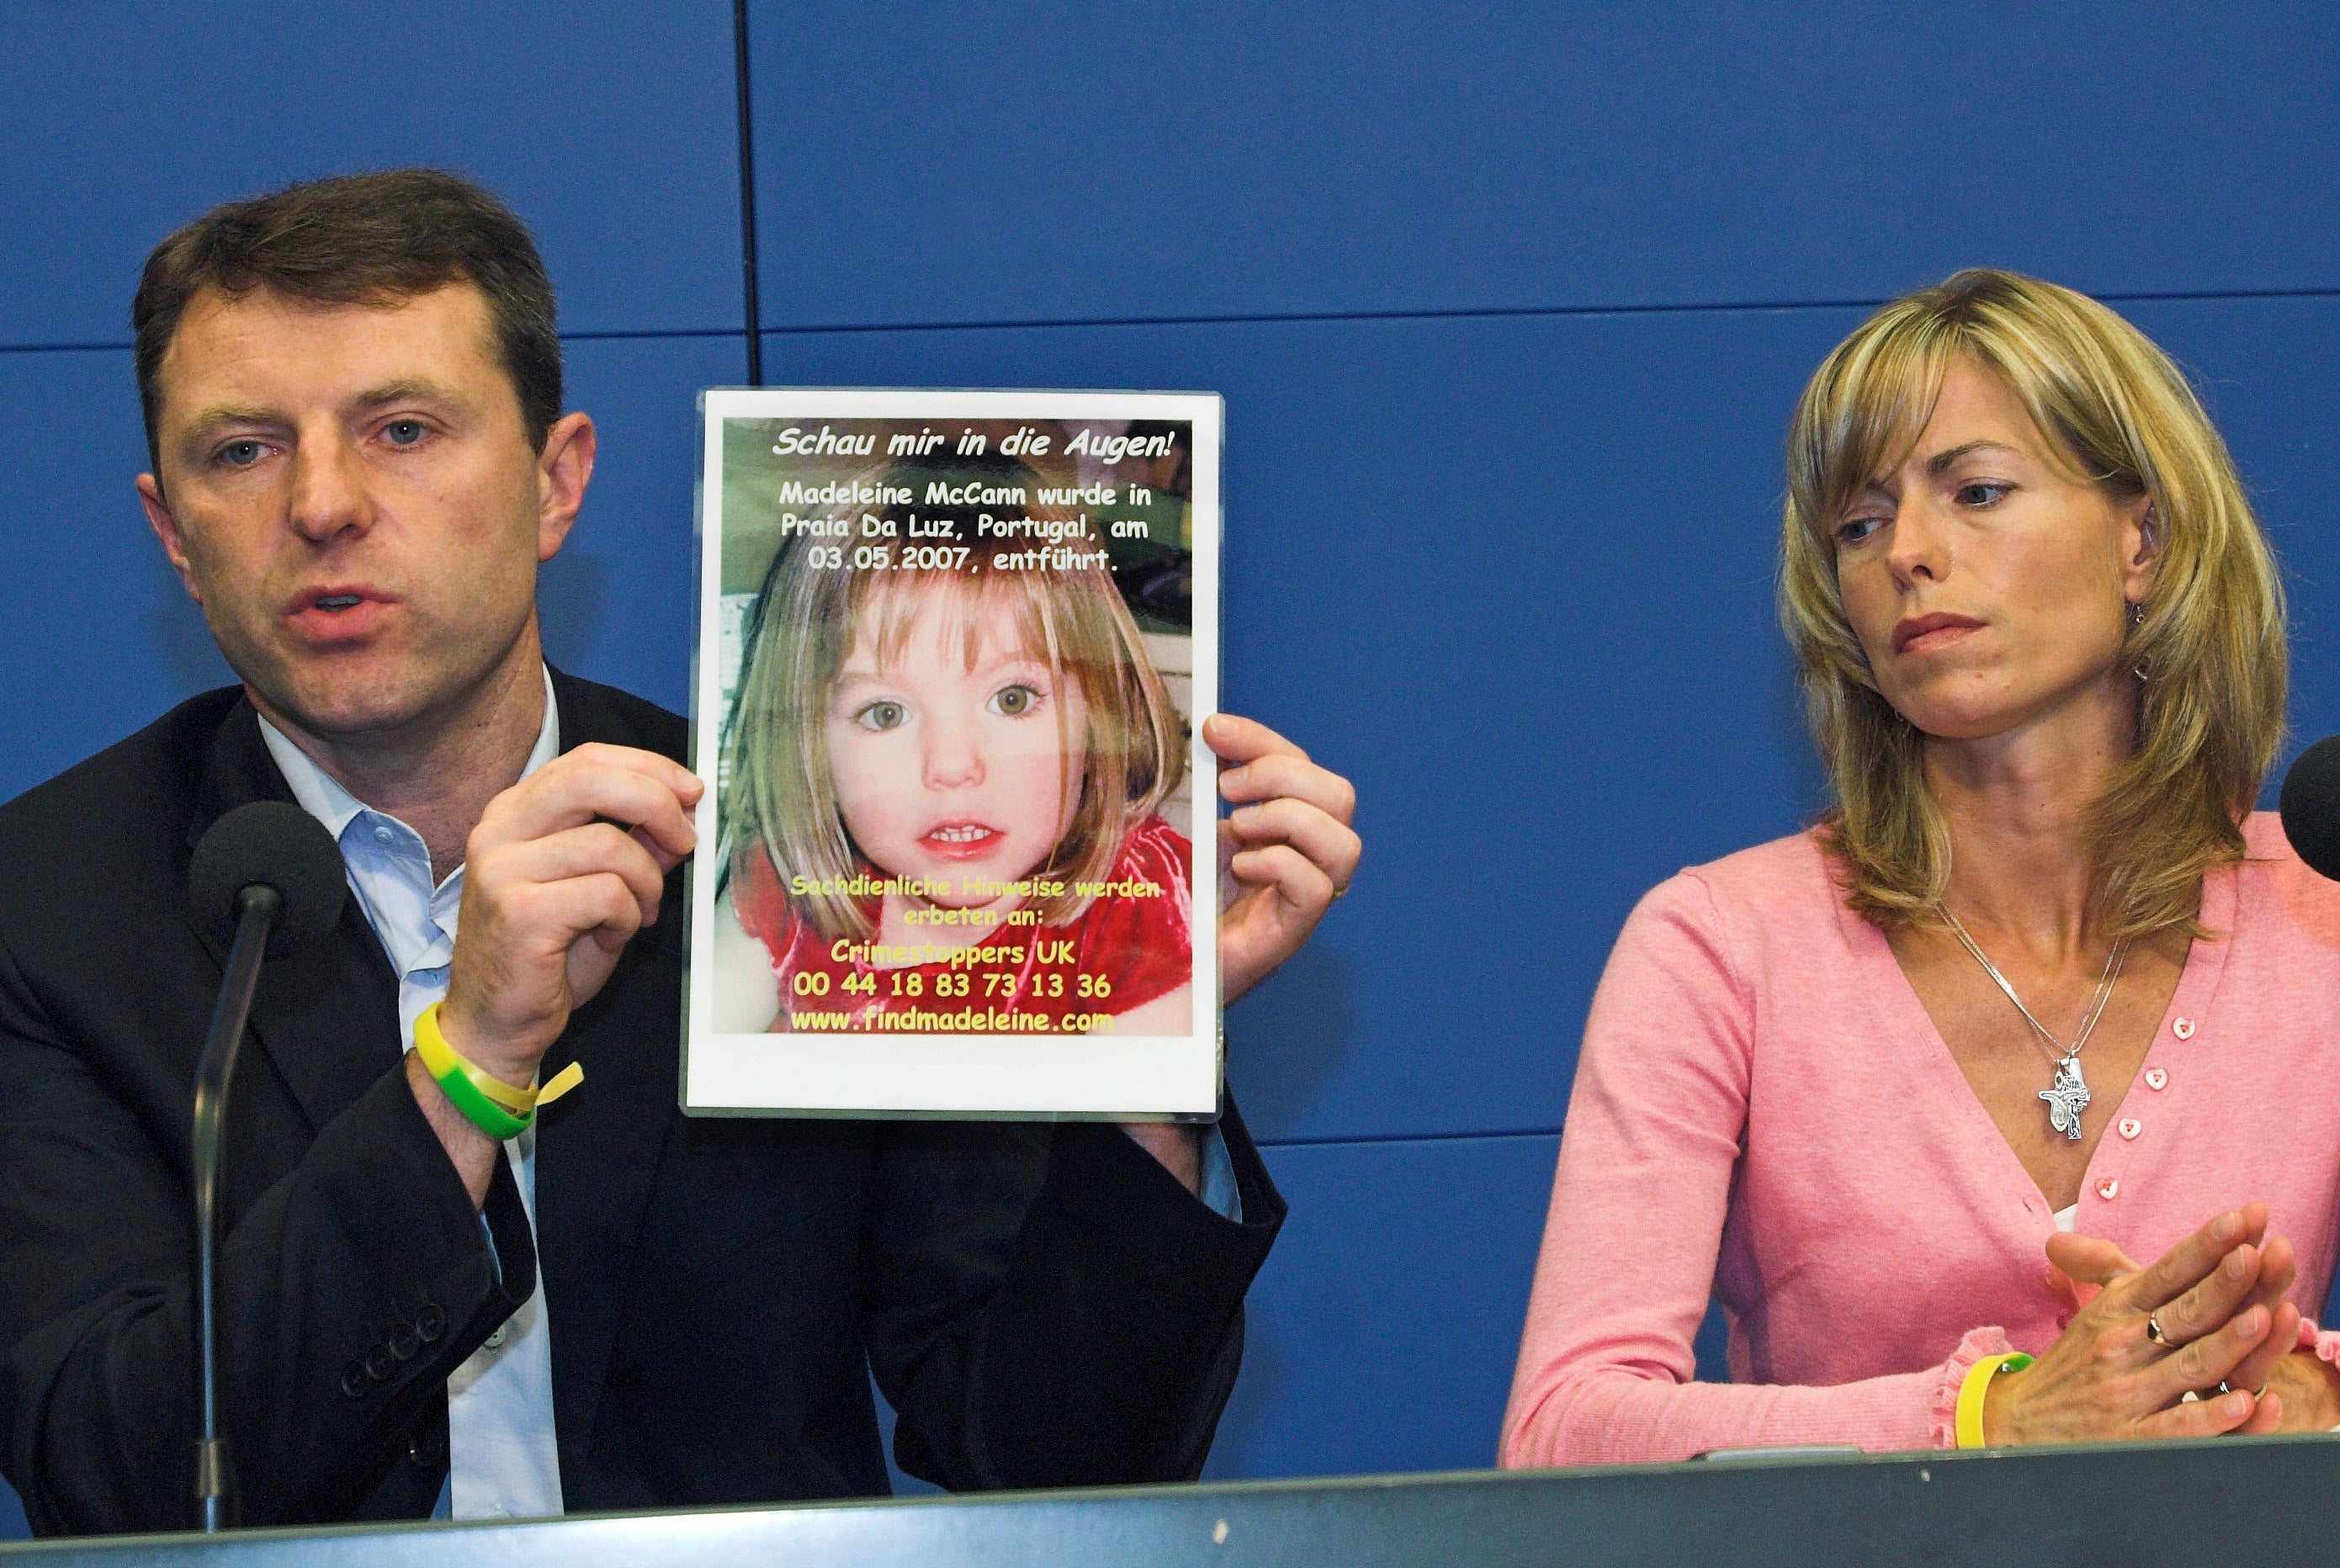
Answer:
(323, 798)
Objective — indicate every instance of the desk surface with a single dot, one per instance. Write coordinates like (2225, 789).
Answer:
(2260, 1499)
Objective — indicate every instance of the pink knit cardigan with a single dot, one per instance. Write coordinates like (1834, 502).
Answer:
(1763, 1106)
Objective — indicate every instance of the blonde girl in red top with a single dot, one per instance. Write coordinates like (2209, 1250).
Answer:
(942, 796)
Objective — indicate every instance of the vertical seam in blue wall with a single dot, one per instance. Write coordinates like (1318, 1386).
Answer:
(747, 194)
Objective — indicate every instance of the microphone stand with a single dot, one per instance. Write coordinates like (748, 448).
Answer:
(257, 907)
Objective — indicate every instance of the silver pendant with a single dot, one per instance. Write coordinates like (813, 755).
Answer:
(2067, 1097)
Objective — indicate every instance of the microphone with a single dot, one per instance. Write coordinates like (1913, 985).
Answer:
(2310, 806)
(266, 871)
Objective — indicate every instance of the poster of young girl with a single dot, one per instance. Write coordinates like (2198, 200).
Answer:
(955, 650)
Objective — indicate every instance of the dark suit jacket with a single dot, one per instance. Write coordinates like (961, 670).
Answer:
(1044, 1305)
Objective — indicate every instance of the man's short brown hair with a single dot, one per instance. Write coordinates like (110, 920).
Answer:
(361, 239)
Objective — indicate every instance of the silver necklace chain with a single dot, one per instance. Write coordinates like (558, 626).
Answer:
(2068, 1095)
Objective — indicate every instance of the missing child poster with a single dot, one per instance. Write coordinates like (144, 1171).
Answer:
(955, 650)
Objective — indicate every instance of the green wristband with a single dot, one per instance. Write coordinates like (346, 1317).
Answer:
(454, 1076)
(482, 1112)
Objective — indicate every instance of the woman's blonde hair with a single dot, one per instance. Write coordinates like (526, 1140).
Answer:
(2119, 414)
(818, 600)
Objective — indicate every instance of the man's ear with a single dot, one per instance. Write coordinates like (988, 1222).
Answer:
(563, 469)
(166, 529)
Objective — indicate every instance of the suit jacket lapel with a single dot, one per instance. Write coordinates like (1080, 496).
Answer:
(327, 1017)
(326, 1014)
(597, 1150)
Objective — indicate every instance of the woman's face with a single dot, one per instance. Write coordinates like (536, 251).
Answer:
(953, 773)
(1989, 586)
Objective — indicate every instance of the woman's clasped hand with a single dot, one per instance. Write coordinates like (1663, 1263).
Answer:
(2206, 1318)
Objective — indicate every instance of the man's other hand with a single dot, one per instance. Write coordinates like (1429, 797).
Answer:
(1285, 853)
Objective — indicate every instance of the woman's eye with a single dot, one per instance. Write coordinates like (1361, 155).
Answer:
(404, 432)
(1014, 702)
(882, 716)
(242, 454)
(1852, 530)
(1980, 493)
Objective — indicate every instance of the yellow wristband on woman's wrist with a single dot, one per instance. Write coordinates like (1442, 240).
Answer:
(487, 1101)
(1977, 1386)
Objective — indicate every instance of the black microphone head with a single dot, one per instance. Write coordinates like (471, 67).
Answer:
(278, 843)
(2311, 806)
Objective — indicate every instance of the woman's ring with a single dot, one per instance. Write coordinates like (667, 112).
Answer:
(2153, 1329)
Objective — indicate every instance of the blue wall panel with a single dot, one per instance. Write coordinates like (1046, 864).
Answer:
(611, 124)
(1040, 160)
(2269, 373)
(1381, 1333)
(100, 638)
(620, 602)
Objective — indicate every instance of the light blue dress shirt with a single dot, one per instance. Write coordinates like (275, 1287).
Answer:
(503, 1461)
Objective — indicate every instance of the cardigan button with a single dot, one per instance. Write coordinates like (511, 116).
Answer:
(2183, 1029)
(2108, 1188)
(431, 1322)
(353, 1381)
(2156, 1078)
(2130, 1127)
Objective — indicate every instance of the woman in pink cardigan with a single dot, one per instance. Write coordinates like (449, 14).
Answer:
(2041, 997)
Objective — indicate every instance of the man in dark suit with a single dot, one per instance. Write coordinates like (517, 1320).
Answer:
(352, 399)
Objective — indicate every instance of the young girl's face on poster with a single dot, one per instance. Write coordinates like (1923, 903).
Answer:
(951, 773)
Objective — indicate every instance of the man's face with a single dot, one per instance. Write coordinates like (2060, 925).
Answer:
(348, 492)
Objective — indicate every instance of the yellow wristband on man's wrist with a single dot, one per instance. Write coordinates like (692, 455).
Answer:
(487, 1102)
(1977, 1385)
